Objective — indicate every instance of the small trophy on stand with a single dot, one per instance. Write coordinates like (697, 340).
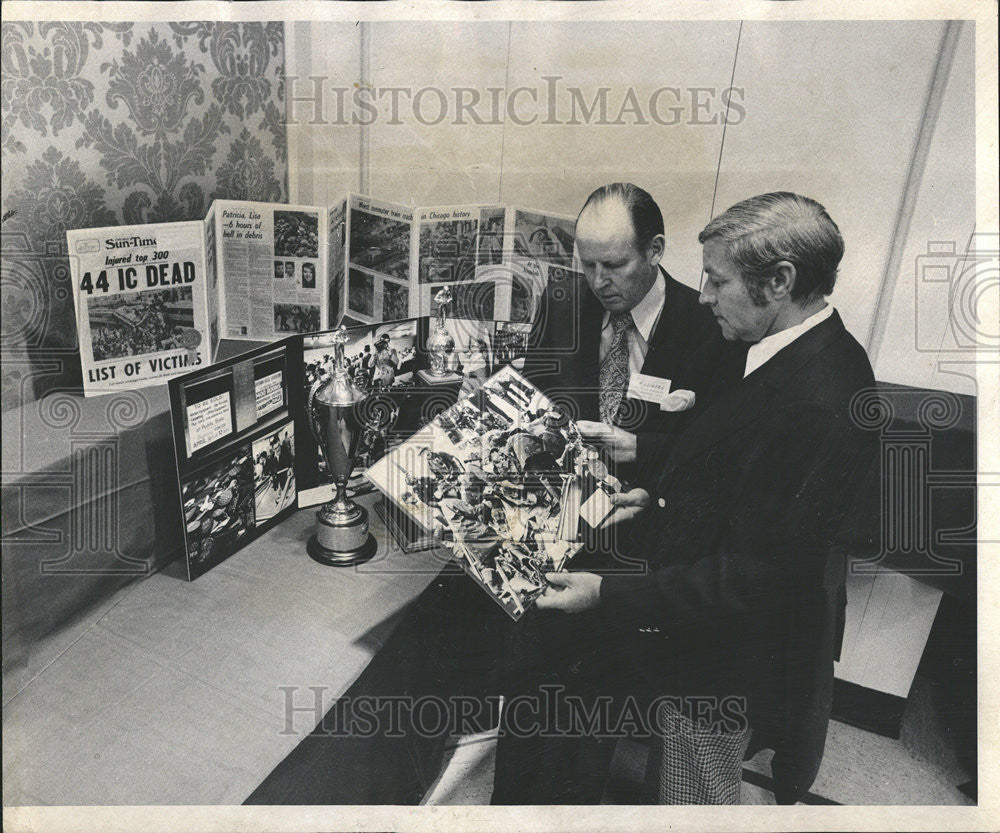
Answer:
(342, 536)
(440, 345)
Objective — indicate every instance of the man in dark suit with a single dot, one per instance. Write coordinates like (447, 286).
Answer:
(737, 621)
(626, 321)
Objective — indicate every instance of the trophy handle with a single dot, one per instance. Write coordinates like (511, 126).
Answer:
(314, 428)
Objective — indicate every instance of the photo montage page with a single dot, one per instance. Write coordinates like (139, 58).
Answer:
(499, 478)
(378, 261)
(235, 447)
(496, 260)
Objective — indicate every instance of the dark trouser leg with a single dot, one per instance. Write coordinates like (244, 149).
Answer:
(554, 670)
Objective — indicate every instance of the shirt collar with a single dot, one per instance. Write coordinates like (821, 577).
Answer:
(768, 347)
(646, 313)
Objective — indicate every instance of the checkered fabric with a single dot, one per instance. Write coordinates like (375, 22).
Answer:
(614, 368)
(699, 764)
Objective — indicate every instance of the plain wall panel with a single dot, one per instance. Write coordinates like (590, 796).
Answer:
(926, 315)
(557, 165)
(323, 158)
(417, 161)
(832, 112)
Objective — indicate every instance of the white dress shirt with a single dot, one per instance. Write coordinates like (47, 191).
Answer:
(765, 349)
(645, 314)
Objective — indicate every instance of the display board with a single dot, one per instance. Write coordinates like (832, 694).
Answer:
(235, 439)
(153, 301)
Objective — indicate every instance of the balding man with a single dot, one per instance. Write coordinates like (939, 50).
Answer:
(611, 345)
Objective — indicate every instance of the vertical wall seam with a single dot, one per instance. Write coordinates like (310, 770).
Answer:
(911, 189)
(722, 142)
(364, 132)
(293, 31)
(503, 127)
(725, 121)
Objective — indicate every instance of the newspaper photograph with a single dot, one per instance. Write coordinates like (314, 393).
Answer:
(490, 245)
(336, 261)
(510, 343)
(274, 473)
(379, 243)
(218, 510)
(447, 251)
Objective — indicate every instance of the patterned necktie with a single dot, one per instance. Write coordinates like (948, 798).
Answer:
(614, 368)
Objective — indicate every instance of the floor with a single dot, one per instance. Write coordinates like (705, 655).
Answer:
(859, 767)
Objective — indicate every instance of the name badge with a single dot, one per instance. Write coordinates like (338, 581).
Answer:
(648, 388)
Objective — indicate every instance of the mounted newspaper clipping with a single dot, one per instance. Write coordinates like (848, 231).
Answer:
(273, 268)
(142, 298)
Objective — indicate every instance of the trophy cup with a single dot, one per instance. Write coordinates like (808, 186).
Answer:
(440, 344)
(342, 536)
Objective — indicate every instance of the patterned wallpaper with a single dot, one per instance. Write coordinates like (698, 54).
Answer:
(115, 123)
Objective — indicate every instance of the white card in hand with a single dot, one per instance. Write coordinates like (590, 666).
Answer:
(597, 508)
(648, 388)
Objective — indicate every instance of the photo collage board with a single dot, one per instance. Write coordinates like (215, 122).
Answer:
(235, 448)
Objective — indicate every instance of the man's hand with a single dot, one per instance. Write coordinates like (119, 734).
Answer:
(571, 592)
(619, 442)
(628, 505)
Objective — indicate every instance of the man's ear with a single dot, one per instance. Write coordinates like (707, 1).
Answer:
(655, 249)
(782, 280)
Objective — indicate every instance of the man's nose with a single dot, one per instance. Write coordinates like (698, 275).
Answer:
(600, 278)
(705, 297)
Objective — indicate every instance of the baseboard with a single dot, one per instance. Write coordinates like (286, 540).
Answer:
(868, 709)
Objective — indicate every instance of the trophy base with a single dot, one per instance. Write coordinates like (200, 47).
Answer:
(336, 558)
(448, 379)
(342, 538)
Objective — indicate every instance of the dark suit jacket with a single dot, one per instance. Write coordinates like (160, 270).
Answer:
(686, 346)
(744, 583)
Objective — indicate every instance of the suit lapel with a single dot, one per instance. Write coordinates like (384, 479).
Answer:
(664, 334)
(749, 399)
(591, 319)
